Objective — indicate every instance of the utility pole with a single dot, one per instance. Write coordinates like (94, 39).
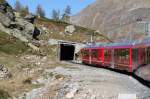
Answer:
(131, 36)
(148, 28)
(91, 38)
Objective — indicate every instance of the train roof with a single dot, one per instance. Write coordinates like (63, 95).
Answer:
(130, 44)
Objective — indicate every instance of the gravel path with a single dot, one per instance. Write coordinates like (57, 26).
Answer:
(84, 82)
(102, 84)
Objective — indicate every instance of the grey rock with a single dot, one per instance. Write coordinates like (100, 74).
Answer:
(4, 73)
(6, 14)
(30, 18)
(53, 41)
(36, 33)
(5, 20)
(70, 29)
(21, 28)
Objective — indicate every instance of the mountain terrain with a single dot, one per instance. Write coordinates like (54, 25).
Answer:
(30, 69)
(120, 20)
(25, 52)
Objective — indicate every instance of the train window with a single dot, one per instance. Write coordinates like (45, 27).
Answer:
(122, 53)
(94, 53)
(122, 56)
(107, 54)
(85, 53)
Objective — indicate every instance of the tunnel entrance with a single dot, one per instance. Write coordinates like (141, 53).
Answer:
(67, 52)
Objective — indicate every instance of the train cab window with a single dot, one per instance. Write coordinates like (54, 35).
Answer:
(107, 54)
(94, 53)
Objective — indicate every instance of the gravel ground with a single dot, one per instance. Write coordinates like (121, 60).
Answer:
(144, 72)
(84, 82)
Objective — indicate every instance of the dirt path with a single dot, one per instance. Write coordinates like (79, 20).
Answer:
(84, 82)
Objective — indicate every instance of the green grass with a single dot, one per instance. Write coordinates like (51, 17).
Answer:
(81, 34)
(4, 95)
(57, 22)
(11, 45)
(2, 1)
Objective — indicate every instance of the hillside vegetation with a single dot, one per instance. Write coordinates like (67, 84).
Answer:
(56, 30)
(11, 45)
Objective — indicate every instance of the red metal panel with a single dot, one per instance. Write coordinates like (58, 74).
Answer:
(103, 56)
(130, 61)
(90, 57)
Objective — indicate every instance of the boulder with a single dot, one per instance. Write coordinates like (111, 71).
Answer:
(70, 29)
(4, 73)
(6, 14)
(36, 33)
(26, 27)
(30, 18)
(5, 20)
(53, 42)
(21, 28)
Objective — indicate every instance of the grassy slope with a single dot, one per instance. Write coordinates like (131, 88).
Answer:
(80, 35)
(12, 53)
(11, 49)
(11, 45)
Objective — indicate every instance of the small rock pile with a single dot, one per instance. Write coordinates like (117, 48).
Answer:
(34, 60)
(4, 73)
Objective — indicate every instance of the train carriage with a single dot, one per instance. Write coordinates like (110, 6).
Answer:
(123, 56)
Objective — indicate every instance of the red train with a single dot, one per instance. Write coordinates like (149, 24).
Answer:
(122, 56)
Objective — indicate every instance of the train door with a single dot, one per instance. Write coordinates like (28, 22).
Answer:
(148, 55)
(94, 57)
(142, 56)
(107, 57)
(85, 56)
(123, 59)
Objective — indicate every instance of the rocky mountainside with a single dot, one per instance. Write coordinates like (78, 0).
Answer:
(13, 24)
(118, 19)
(53, 29)
(28, 28)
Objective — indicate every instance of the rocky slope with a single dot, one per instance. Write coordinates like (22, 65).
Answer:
(13, 24)
(29, 27)
(52, 29)
(118, 19)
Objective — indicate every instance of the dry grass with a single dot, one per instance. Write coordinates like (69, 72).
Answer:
(80, 34)
(11, 45)
(21, 80)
